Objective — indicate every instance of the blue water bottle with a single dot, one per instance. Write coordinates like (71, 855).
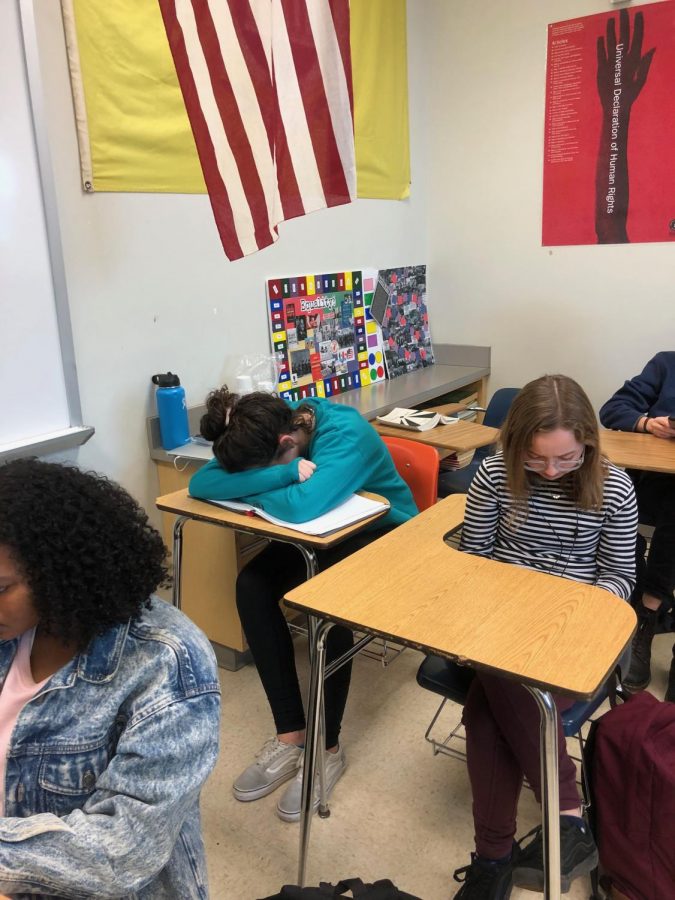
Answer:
(172, 410)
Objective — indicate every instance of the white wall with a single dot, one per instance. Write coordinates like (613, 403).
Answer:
(150, 288)
(596, 312)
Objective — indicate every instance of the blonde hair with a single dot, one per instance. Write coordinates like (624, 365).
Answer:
(543, 405)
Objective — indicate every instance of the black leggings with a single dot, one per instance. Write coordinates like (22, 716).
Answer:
(260, 586)
(656, 506)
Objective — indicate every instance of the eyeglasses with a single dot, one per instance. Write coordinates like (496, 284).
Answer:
(562, 465)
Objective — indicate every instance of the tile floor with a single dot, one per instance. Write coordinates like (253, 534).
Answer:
(399, 812)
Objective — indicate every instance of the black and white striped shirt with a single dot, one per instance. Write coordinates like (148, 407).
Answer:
(551, 534)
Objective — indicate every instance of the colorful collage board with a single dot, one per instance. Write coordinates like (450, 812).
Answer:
(325, 337)
(405, 323)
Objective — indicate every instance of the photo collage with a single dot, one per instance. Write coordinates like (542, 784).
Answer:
(323, 334)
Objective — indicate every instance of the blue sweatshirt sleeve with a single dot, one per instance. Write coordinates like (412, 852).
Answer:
(213, 482)
(636, 398)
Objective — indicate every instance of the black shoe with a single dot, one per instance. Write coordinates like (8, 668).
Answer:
(639, 674)
(670, 690)
(484, 880)
(578, 856)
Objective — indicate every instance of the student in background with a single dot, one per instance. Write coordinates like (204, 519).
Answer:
(548, 502)
(646, 404)
(109, 703)
(296, 461)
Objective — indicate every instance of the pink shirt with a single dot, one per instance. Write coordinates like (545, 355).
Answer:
(17, 690)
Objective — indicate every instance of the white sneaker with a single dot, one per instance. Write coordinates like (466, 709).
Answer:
(288, 807)
(275, 763)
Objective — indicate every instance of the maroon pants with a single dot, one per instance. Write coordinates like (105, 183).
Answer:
(502, 744)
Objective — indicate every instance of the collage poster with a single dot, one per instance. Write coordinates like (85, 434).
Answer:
(405, 324)
(610, 128)
(323, 333)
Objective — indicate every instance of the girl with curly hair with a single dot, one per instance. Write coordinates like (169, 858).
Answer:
(295, 460)
(109, 697)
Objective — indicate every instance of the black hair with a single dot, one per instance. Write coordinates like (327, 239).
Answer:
(85, 547)
(245, 429)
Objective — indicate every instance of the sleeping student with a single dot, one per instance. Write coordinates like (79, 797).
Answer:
(109, 698)
(548, 501)
(297, 461)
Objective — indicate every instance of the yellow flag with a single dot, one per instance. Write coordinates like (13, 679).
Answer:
(380, 73)
(130, 111)
(133, 130)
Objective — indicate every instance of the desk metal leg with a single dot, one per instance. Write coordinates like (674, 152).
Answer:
(309, 554)
(313, 737)
(177, 557)
(312, 564)
(324, 811)
(550, 792)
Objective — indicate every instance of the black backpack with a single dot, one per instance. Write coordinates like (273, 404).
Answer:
(379, 890)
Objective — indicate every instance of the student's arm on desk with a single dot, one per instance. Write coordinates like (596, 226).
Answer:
(481, 515)
(615, 558)
(339, 474)
(212, 482)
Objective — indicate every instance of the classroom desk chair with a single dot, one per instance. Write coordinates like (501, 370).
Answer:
(417, 464)
(452, 681)
(458, 482)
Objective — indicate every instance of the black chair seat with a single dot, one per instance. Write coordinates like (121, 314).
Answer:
(450, 680)
(444, 677)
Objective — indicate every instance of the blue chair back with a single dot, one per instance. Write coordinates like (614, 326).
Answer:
(499, 405)
(458, 482)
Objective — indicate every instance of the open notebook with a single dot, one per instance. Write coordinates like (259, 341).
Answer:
(354, 509)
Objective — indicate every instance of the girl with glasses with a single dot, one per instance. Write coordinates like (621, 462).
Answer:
(548, 501)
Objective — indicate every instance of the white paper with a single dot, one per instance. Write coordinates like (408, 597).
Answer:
(354, 509)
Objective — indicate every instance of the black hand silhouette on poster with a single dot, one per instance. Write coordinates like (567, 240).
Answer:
(622, 73)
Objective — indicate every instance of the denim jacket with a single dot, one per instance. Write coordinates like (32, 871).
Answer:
(106, 764)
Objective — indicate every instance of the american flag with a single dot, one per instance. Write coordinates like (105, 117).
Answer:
(267, 86)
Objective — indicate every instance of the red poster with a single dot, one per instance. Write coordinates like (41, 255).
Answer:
(609, 142)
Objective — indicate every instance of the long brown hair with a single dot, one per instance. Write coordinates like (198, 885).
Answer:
(546, 404)
(245, 429)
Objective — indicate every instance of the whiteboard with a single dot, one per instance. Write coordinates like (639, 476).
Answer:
(38, 380)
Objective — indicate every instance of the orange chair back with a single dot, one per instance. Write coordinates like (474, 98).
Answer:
(417, 464)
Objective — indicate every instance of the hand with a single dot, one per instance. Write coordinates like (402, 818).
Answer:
(617, 98)
(634, 66)
(306, 468)
(660, 427)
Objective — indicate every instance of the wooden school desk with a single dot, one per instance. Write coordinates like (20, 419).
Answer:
(188, 509)
(638, 451)
(212, 557)
(549, 633)
(460, 437)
